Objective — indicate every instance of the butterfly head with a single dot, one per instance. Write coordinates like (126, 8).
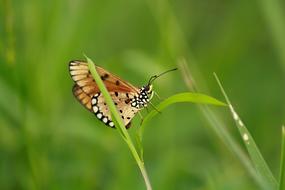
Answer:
(148, 89)
(146, 92)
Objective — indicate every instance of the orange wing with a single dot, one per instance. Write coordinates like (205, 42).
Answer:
(81, 75)
(86, 90)
(82, 97)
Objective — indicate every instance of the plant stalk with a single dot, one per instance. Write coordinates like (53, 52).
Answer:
(119, 122)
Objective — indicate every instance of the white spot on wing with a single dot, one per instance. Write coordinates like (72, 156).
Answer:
(105, 120)
(94, 101)
(99, 115)
(95, 109)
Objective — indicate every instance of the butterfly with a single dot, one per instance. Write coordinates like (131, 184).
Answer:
(128, 99)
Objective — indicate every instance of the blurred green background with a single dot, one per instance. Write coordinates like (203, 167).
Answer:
(49, 141)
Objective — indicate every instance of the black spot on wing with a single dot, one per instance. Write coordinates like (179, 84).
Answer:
(105, 76)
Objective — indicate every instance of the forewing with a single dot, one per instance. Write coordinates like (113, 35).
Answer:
(81, 75)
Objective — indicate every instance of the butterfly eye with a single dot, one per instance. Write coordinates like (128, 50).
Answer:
(146, 88)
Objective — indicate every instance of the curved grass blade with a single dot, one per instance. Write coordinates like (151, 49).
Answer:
(182, 98)
(118, 121)
(186, 97)
(269, 181)
(219, 127)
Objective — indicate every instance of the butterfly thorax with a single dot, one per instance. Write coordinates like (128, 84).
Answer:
(143, 97)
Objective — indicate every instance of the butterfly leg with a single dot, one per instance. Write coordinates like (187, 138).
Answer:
(141, 118)
(156, 94)
(154, 107)
(147, 109)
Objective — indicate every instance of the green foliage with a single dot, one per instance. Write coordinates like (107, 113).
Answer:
(119, 122)
(267, 178)
(49, 141)
(178, 98)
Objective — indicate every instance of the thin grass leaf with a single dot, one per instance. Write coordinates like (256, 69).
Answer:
(178, 98)
(269, 181)
(118, 121)
(282, 162)
(219, 127)
(182, 98)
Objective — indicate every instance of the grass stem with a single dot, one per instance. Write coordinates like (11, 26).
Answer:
(262, 169)
(119, 122)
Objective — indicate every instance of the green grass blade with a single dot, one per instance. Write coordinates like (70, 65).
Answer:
(107, 96)
(178, 98)
(181, 98)
(254, 153)
(118, 121)
(220, 127)
(282, 162)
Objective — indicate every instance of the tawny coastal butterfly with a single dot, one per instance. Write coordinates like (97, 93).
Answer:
(128, 98)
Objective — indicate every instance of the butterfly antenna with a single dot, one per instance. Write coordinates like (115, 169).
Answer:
(153, 78)
(147, 109)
